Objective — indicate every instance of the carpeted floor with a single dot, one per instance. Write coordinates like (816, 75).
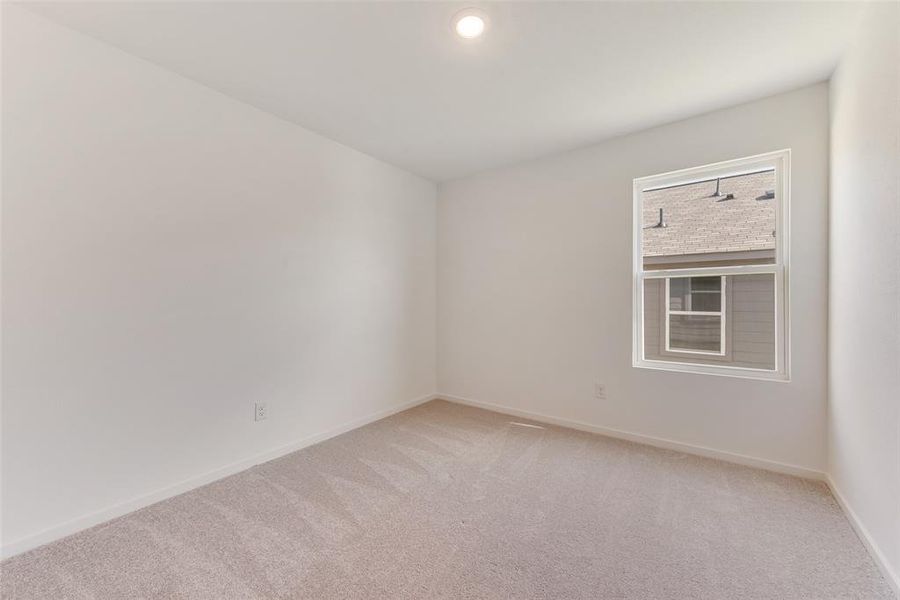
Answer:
(446, 501)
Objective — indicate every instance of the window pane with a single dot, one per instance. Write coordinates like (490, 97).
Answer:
(706, 301)
(706, 284)
(750, 337)
(654, 317)
(702, 294)
(719, 221)
(679, 290)
(753, 320)
(695, 332)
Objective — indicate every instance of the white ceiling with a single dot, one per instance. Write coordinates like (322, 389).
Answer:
(392, 80)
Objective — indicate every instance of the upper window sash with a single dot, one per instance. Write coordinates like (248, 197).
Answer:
(778, 160)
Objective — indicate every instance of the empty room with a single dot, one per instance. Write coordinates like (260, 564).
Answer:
(501, 300)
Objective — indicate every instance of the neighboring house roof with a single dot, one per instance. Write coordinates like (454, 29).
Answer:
(697, 223)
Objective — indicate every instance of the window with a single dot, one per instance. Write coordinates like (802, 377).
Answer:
(711, 269)
(695, 319)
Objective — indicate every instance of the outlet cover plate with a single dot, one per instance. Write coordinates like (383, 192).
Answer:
(260, 411)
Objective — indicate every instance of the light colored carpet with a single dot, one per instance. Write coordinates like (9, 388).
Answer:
(446, 501)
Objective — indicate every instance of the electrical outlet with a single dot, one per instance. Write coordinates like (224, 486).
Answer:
(599, 391)
(260, 412)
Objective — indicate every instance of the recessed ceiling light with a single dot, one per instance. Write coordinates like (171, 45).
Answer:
(469, 23)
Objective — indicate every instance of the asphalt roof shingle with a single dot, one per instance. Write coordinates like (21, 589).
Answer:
(698, 223)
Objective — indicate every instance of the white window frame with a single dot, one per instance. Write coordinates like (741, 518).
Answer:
(780, 161)
(702, 313)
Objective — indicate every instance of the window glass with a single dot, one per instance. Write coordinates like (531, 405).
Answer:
(698, 333)
(696, 294)
(718, 220)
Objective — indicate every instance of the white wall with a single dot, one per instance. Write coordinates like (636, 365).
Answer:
(534, 288)
(864, 284)
(171, 256)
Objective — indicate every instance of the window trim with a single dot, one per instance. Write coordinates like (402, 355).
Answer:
(779, 160)
(720, 313)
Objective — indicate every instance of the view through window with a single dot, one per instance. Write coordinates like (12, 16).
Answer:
(710, 276)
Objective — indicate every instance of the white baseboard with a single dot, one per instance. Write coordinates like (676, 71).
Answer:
(95, 518)
(741, 459)
(892, 577)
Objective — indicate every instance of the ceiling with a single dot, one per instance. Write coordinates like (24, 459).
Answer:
(392, 80)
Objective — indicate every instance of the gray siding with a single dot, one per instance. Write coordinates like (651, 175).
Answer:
(749, 323)
(653, 315)
(753, 320)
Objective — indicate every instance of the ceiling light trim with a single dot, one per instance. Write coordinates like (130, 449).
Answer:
(470, 24)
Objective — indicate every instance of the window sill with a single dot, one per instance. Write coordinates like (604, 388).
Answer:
(718, 370)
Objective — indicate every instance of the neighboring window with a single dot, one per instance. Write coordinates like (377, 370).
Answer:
(710, 265)
(695, 317)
